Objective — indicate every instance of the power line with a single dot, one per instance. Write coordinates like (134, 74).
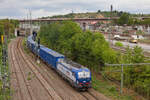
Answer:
(135, 64)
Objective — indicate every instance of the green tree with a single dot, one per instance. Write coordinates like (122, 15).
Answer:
(81, 48)
(128, 56)
(138, 56)
(131, 21)
(139, 32)
(101, 50)
(1, 29)
(123, 19)
(67, 31)
(99, 11)
(52, 34)
(8, 26)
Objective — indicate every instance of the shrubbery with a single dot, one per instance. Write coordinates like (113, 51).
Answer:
(118, 44)
(135, 77)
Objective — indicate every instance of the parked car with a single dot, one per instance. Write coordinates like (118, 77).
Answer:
(133, 41)
(117, 37)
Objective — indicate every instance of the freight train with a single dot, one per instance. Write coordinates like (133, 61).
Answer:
(78, 76)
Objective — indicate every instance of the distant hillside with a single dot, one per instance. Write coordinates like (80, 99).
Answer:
(87, 15)
(78, 15)
(98, 14)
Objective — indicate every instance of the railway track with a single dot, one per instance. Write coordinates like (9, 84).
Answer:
(54, 87)
(75, 95)
(24, 91)
(39, 76)
(90, 95)
(49, 74)
(14, 75)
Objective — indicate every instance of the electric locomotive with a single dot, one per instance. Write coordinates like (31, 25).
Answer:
(77, 75)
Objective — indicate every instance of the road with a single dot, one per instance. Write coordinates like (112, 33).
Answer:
(145, 47)
(32, 81)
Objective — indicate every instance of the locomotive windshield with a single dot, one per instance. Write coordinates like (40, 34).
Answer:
(83, 74)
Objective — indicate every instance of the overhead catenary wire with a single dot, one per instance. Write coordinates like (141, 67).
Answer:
(122, 71)
(131, 65)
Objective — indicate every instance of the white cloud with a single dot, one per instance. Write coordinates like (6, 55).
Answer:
(19, 8)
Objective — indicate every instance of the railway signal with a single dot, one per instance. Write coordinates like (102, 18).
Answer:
(38, 44)
(2, 39)
(4, 72)
(38, 49)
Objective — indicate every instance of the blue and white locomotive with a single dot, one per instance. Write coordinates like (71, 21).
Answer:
(77, 75)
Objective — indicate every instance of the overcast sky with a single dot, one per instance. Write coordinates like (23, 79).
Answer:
(20, 8)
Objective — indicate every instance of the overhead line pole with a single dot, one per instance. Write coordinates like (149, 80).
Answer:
(122, 71)
(122, 77)
(30, 21)
(111, 8)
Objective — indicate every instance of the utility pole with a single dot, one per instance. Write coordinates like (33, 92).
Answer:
(38, 50)
(26, 29)
(122, 71)
(111, 9)
(84, 27)
(122, 77)
(30, 14)
(72, 11)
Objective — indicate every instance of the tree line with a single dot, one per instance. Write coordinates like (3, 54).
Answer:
(7, 26)
(128, 19)
(86, 48)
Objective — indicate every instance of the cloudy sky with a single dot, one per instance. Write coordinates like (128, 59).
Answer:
(20, 8)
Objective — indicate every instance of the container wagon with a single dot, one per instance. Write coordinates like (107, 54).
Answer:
(77, 75)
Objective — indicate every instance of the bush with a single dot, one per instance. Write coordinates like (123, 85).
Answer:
(118, 44)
